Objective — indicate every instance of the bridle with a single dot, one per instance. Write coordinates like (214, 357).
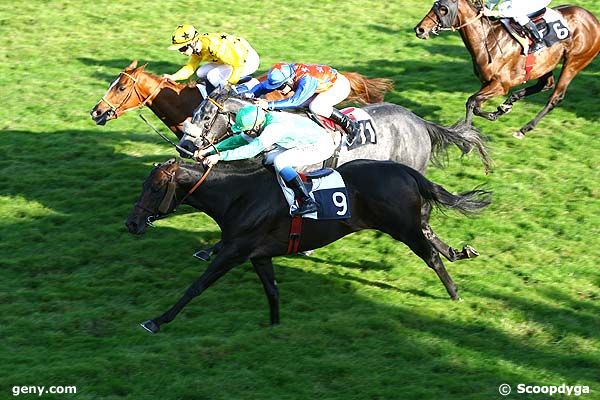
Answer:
(207, 126)
(444, 23)
(132, 90)
(170, 196)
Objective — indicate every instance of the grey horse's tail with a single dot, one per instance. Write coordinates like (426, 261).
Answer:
(467, 203)
(461, 134)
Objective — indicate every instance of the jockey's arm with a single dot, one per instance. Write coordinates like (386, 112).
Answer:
(230, 143)
(259, 90)
(269, 137)
(307, 86)
(188, 69)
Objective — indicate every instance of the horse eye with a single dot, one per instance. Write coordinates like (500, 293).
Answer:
(122, 87)
(443, 10)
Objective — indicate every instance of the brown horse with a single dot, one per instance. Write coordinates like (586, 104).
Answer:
(498, 60)
(173, 102)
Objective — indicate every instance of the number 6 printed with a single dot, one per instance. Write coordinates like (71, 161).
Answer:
(561, 31)
(339, 199)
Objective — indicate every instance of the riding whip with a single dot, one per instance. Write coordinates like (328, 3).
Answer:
(181, 149)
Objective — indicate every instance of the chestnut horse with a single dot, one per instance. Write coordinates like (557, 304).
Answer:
(498, 60)
(173, 102)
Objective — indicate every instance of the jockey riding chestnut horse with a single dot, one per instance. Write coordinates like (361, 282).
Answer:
(228, 57)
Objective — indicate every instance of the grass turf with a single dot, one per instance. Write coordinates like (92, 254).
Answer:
(362, 318)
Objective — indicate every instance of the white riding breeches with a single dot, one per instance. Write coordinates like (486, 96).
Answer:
(323, 103)
(219, 74)
(300, 156)
(520, 10)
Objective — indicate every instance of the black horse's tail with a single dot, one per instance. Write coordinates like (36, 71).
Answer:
(461, 134)
(467, 203)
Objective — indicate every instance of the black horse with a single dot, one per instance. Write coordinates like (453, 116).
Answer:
(247, 204)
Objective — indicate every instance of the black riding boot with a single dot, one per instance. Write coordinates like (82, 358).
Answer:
(308, 204)
(352, 128)
(208, 87)
(538, 40)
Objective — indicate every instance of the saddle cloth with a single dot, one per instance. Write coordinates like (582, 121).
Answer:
(328, 189)
(550, 23)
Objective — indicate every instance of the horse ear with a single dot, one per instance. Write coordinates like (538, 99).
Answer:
(132, 65)
(142, 67)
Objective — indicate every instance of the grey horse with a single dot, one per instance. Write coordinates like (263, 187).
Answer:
(402, 136)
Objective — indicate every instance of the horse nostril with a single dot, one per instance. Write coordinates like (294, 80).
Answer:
(419, 30)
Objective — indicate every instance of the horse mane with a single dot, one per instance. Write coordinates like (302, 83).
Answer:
(227, 168)
(179, 86)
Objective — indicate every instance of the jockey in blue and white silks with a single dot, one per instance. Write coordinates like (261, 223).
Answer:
(519, 10)
(319, 87)
(298, 141)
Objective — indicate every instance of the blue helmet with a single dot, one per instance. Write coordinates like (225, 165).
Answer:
(278, 75)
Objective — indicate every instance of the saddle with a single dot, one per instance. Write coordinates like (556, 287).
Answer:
(550, 23)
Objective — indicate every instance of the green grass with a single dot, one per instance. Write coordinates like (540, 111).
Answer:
(363, 318)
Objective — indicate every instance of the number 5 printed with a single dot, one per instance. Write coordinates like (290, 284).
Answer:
(339, 199)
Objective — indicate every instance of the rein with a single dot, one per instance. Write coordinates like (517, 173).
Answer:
(135, 90)
(469, 22)
(207, 126)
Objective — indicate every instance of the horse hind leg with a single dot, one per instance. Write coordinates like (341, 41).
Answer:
(569, 71)
(450, 253)
(418, 243)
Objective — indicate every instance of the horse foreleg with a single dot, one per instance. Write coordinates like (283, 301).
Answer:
(264, 270)
(566, 76)
(488, 91)
(545, 82)
(228, 258)
(450, 253)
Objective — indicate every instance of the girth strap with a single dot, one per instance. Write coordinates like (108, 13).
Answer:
(295, 233)
(529, 64)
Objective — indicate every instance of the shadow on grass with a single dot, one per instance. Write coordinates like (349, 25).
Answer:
(79, 284)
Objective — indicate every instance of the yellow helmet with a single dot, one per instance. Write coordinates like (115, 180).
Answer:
(183, 35)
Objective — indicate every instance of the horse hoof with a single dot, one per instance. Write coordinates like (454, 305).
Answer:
(202, 255)
(519, 135)
(470, 252)
(150, 326)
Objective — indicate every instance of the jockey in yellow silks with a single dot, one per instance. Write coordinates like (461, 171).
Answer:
(228, 57)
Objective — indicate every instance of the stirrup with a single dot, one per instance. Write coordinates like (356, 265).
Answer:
(306, 208)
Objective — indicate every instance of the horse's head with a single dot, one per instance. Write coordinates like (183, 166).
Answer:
(446, 15)
(122, 95)
(212, 120)
(157, 198)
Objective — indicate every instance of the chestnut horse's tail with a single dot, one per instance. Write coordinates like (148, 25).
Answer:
(365, 90)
